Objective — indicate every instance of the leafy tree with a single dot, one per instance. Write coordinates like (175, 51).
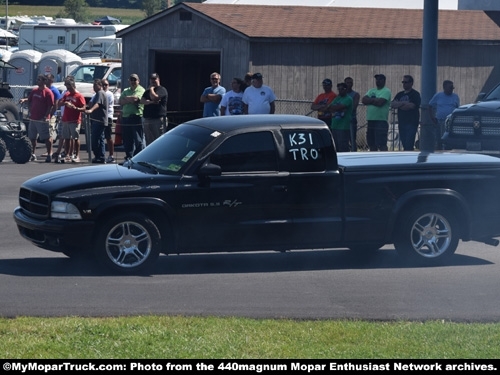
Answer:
(76, 9)
(150, 7)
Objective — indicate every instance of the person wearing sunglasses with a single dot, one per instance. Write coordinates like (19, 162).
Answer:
(407, 103)
(132, 110)
(212, 96)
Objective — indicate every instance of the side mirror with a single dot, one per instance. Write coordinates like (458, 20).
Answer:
(480, 96)
(209, 169)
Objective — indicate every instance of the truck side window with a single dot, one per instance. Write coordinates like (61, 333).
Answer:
(305, 151)
(249, 152)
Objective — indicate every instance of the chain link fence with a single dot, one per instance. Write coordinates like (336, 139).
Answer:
(303, 107)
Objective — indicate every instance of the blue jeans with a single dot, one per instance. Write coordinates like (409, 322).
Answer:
(133, 135)
(354, 131)
(342, 139)
(407, 133)
(97, 139)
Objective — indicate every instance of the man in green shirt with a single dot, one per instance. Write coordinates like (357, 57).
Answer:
(377, 100)
(341, 110)
(132, 130)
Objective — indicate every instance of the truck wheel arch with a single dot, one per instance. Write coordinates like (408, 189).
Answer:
(428, 233)
(448, 197)
(155, 209)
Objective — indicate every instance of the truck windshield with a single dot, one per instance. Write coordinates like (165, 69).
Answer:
(87, 74)
(493, 94)
(175, 150)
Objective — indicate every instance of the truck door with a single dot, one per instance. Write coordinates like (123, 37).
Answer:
(247, 207)
(314, 188)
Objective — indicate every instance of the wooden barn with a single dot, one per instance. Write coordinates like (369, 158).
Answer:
(296, 47)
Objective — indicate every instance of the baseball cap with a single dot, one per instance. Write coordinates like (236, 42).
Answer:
(380, 76)
(327, 82)
(257, 76)
(134, 76)
(154, 76)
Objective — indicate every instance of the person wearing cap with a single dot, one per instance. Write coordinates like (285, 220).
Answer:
(132, 109)
(212, 96)
(341, 110)
(377, 100)
(258, 98)
(323, 100)
(155, 108)
(407, 103)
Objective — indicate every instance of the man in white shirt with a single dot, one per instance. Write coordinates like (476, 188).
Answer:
(258, 98)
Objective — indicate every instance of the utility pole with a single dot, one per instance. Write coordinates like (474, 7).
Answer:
(429, 73)
(6, 14)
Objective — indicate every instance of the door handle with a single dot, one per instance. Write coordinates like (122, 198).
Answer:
(280, 188)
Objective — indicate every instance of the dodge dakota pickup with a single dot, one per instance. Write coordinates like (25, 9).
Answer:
(261, 182)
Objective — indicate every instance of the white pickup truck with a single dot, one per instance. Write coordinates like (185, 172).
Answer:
(86, 73)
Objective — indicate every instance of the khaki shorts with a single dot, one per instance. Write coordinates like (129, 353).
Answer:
(70, 130)
(39, 128)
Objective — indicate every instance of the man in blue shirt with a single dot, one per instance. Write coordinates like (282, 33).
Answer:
(212, 96)
(441, 105)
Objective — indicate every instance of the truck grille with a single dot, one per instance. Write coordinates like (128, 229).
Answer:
(34, 203)
(464, 125)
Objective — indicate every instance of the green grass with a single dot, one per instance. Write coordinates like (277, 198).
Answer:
(128, 16)
(150, 337)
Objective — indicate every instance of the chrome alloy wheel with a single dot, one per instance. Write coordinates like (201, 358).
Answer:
(128, 244)
(431, 235)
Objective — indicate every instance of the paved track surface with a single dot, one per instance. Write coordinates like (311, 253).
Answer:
(326, 284)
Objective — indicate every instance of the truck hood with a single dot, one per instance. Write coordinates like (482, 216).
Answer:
(492, 106)
(115, 178)
(86, 89)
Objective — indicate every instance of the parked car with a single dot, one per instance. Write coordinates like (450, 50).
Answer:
(475, 126)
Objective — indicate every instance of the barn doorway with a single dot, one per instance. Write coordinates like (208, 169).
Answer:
(185, 75)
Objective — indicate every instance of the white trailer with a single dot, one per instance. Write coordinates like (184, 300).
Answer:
(63, 34)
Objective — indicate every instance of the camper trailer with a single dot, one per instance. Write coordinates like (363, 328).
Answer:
(63, 34)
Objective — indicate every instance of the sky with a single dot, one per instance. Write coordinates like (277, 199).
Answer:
(409, 4)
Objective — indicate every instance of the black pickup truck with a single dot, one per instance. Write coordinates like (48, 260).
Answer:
(262, 182)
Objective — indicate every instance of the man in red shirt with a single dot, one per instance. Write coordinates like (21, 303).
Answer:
(40, 104)
(74, 104)
(322, 102)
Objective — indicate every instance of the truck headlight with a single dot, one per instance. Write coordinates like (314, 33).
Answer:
(64, 210)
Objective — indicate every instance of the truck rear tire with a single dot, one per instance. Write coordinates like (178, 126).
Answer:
(427, 234)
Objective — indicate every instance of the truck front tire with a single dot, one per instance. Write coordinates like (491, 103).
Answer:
(128, 243)
(427, 234)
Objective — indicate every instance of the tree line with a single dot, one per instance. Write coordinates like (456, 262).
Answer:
(129, 4)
